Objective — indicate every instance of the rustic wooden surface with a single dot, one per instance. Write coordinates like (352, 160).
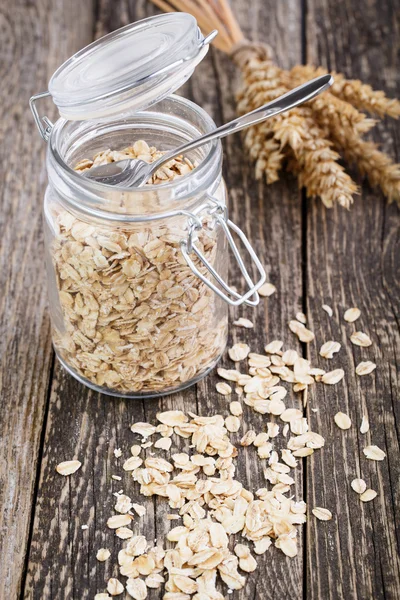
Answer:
(313, 255)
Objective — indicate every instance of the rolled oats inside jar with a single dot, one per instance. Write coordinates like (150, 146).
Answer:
(137, 277)
(136, 319)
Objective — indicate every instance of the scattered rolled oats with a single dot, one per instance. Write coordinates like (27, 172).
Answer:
(114, 587)
(333, 377)
(342, 420)
(239, 352)
(248, 438)
(211, 504)
(154, 581)
(272, 429)
(360, 339)
(132, 463)
(103, 554)
(327, 309)
(124, 533)
(136, 588)
(229, 374)
(364, 427)
(304, 334)
(352, 314)
(242, 322)
(374, 453)
(301, 317)
(232, 423)
(236, 408)
(359, 486)
(329, 348)
(124, 504)
(164, 443)
(368, 495)
(172, 418)
(289, 357)
(273, 347)
(139, 509)
(68, 467)
(119, 521)
(323, 514)
(267, 289)
(365, 368)
(143, 429)
(223, 388)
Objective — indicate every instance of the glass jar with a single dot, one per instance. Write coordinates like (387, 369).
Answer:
(136, 277)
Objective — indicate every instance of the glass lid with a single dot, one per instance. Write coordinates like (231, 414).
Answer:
(130, 68)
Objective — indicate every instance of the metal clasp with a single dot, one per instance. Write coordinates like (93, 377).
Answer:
(43, 123)
(218, 211)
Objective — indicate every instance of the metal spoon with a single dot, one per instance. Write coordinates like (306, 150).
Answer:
(134, 172)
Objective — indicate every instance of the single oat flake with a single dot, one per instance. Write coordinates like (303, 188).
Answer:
(68, 467)
(114, 587)
(342, 420)
(374, 453)
(333, 377)
(364, 427)
(124, 533)
(301, 317)
(117, 521)
(136, 588)
(323, 514)
(304, 334)
(329, 349)
(267, 289)
(368, 495)
(239, 352)
(223, 388)
(327, 309)
(242, 322)
(359, 486)
(273, 347)
(103, 554)
(360, 339)
(352, 314)
(365, 368)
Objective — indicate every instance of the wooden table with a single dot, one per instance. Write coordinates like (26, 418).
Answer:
(313, 256)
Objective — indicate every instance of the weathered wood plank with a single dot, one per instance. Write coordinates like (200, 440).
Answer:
(352, 261)
(89, 426)
(34, 38)
(268, 214)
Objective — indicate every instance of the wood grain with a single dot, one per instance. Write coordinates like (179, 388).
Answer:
(88, 426)
(312, 255)
(352, 260)
(34, 38)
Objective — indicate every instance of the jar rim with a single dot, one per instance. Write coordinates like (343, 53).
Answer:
(64, 178)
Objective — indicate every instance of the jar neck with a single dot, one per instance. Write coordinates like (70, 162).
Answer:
(166, 125)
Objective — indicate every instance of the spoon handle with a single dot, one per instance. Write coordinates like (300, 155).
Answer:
(297, 96)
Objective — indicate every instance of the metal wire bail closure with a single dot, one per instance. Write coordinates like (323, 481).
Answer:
(188, 246)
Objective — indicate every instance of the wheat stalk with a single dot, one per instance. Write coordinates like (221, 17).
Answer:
(309, 140)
